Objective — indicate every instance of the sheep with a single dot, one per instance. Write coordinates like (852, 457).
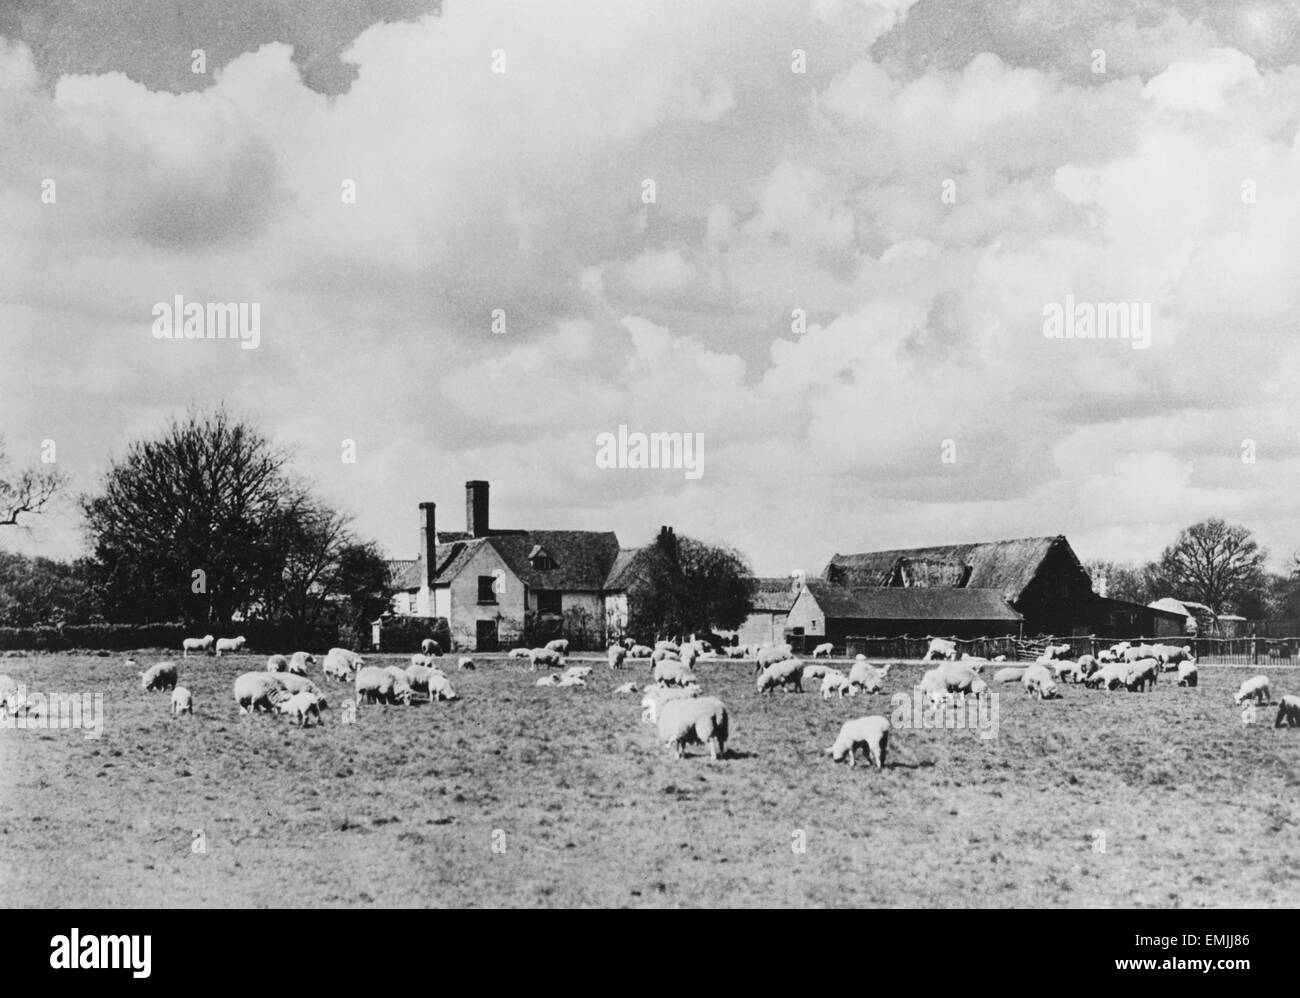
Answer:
(1009, 675)
(701, 720)
(440, 688)
(1256, 689)
(567, 680)
(374, 684)
(671, 646)
(1288, 710)
(616, 654)
(196, 644)
(544, 657)
(823, 650)
(663, 654)
(559, 644)
(1187, 675)
(975, 662)
(342, 664)
(465, 664)
(673, 674)
(1170, 655)
(960, 678)
(835, 682)
(9, 689)
(770, 656)
(625, 688)
(581, 671)
(423, 661)
(1052, 651)
(1108, 676)
(1141, 674)
(159, 677)
(229, 644)
(640, 651)
(1038, 682)
(1088, 665)
(1066, 671)
(401, 684)
(299, 661)
(431, 647)
(551, 680)
(296, 684)
(656, 696)
(785, 673)
(418, 676)
(1135, 653)
(301, 706)
(628, 643)
(740, 651)
(999, 658)
(518, 653)
(689, 654)
(871, 734)
(182, 702)
(259, 691)
(940, 648)
(866, 678)
(277, 663)
(817, 671)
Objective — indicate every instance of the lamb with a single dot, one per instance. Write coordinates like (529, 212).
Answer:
(229, 645)
(418, 676)
(817, 671)
(277, 663)
(1256, 689)
(342, 664)
(835, 682)
(196, 644)
(656, 696)
(544, 657)
(296, 684)
(567, 680)
(159, 677)
(551, 680)
(440, 688)
(960, 678)
(465, 664)
(299, 661)
(695, 720)
(625, 688)
(519, 653)
(1141, 674)
(401, 685)
(182, 702)
(823, 650)
(581, 671)
(640, 651)
(616, 654)
(940, 648)
(430, 647)
(871, 734)
(259, 691)
(1009, 675)
(785, 673)
(1038, 682)
(379, 685)
(866, 678)
(559, 644)
(300, 707)
(932, 684)
(1187, 675)
(673, 674)
(770, 656)
(1288, 710)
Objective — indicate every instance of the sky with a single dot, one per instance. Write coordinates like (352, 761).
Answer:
(935, 176)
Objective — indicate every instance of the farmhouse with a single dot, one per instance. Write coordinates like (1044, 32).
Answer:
(501, 587)
(823, 609)
(769, 610)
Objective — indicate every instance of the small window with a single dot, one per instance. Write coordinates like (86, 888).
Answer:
(548, 601)
(543, 563)
(486, 594)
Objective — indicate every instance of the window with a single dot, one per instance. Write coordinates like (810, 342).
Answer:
(543, 563)
(548, 601)
(486, 594)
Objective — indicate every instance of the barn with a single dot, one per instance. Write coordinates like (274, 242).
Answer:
(836, 612)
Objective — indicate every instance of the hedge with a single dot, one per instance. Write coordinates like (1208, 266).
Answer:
(261, 637)
(404, 634)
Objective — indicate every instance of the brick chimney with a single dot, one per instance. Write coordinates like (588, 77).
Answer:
(476, 508)
(428, 542)
(667, 541)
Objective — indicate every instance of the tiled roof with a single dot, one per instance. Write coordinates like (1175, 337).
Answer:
(583, 558)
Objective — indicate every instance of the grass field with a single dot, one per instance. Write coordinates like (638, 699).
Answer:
(1189, 806)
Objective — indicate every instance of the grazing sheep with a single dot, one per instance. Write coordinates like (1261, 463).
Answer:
(817, 671)
(1038, 682)
(1187, 675)
(296, 684)
(959, 677)
(159, 677)
(1288, 710)
(1009, 675)
(1109, 676)
(672, 673)
(871, 734)
(301, 706)
(1256, 689)
(940, 648)
(277, 663)
(1066, 671)
(866, 678)
(430, 647)
(196, 644)
(418, 676)
(640, 651)
(182, 702)
(519, 653)
(544, 657)
(401, 684)
(559, 644)
(299, 661)
(1170, 655)
(625, 688)
(1142, 674)
(770, 656)
(1135, 653)
(785, 673)
(259, 691)
(342, 664)
(8, 691)
(934, 686)
(695, 720)
(616, 654)
(440, 688)
(465, 664)
(740, 651)
(823, 650)
(1087, 665)
(376, 685)
(229, 645)
(835, 682)
(656, 696)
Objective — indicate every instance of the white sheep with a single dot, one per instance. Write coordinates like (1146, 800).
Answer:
(740, 651)
(277, 663)
(342, 664)
(1056, 651)
(673, 673)
(1011, 674)
(1187, 675)
(1171, 655)
(299, 661)
(940, 648)
(544, 657)
(616, 653)
(694, 720)
(664, 655)
(418, 676)
(823, 650)
(1039, 683)
(518, 653)
(1142, 673)
(866, 677)
(581, 671)
(817, 671)
(625, 688)
(551, 680)
(374, 684)
(196, 644)
(1134, 653)
(671, 646)
(640, 651)
(770, 656)
(656, 696)
(401, 684)
(999, 658)
(567, 680)
(440, 688)
(430, 647)
(628, 643)
(1087, 666)
(871, 734)
(1256, 689)
(689, 655)
(182, 702)
(159, 677)
(932, 685)
(295, 684)
(229, 645)
(1066, 671)
(559, 644)
(259, 691)
(1109, 676)
(1288, 711)
(301, 706)
(959, 677)
(835, 682)
(784, 673)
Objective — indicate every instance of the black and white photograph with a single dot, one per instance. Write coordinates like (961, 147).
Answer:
(669, 454)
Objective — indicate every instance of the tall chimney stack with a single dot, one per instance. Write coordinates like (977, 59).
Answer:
(668, 542)
(428, 542)
(476, 508)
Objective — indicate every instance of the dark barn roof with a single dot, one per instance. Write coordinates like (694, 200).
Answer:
(877, 603)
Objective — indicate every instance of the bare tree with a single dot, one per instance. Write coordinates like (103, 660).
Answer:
(1215, 563)
(28, 490)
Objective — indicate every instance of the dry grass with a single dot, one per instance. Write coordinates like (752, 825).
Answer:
(400, 808)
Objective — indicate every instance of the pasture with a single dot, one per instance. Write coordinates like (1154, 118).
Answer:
(523, 796)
